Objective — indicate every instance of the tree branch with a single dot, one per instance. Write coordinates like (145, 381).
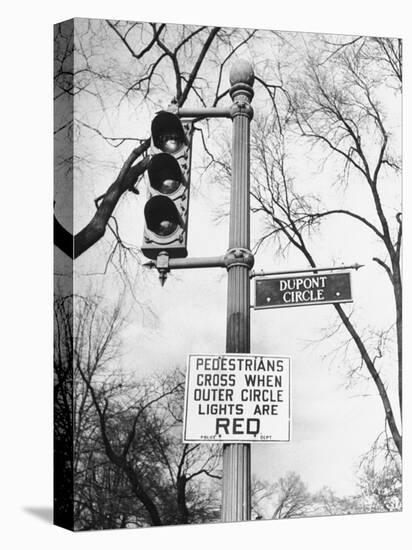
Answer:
(182, 98)
(95, 229)
(385, 267)
(347, 213)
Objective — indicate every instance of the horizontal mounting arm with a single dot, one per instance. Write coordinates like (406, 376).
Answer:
(187, 263)
(207, 112)
(234, 256)
(262, 273)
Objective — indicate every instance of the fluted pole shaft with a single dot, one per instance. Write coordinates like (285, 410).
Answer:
(236, 503)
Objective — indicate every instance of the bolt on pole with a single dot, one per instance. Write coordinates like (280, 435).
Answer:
(236, 501)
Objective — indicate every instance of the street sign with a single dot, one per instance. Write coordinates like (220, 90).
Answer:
(237, 398)
(302, 290)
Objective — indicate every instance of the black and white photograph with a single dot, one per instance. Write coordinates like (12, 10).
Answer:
(229, 344)
(205, 218)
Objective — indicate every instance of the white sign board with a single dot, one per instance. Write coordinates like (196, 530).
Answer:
(237, 398)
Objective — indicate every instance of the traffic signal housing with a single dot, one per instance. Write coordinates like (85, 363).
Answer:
(167, 208)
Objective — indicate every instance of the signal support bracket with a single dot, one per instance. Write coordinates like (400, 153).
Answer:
(201, 113)
(234, 256)
(239, 256)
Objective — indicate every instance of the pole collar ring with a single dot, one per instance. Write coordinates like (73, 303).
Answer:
(240, 107)
(239, 257)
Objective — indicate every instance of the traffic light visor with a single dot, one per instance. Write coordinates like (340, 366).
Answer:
(164, 174)
(162, 216)
(167, 132)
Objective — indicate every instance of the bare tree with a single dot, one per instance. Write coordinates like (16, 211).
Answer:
(286, 498)
(380, 479)
(379, 490)
(63, 411)
(327, 503)
(261, 493)
(293, 499)
(130, 466)
(346, 114)
(338, 105)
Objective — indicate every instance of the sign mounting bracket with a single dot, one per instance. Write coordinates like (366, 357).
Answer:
(262, 273)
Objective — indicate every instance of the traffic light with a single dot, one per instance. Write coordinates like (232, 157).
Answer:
(166, 211)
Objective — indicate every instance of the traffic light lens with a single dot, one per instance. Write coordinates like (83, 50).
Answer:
(166, 227)
(167, 133)
(170, 143)
(168, 186)
(164, 174)
(162, 216)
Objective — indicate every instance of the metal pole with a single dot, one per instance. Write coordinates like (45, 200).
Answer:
(236, 503)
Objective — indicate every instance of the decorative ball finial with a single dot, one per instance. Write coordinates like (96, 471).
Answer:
(242, 73)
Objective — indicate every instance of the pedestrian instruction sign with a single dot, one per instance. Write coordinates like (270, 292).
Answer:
(237, 398)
